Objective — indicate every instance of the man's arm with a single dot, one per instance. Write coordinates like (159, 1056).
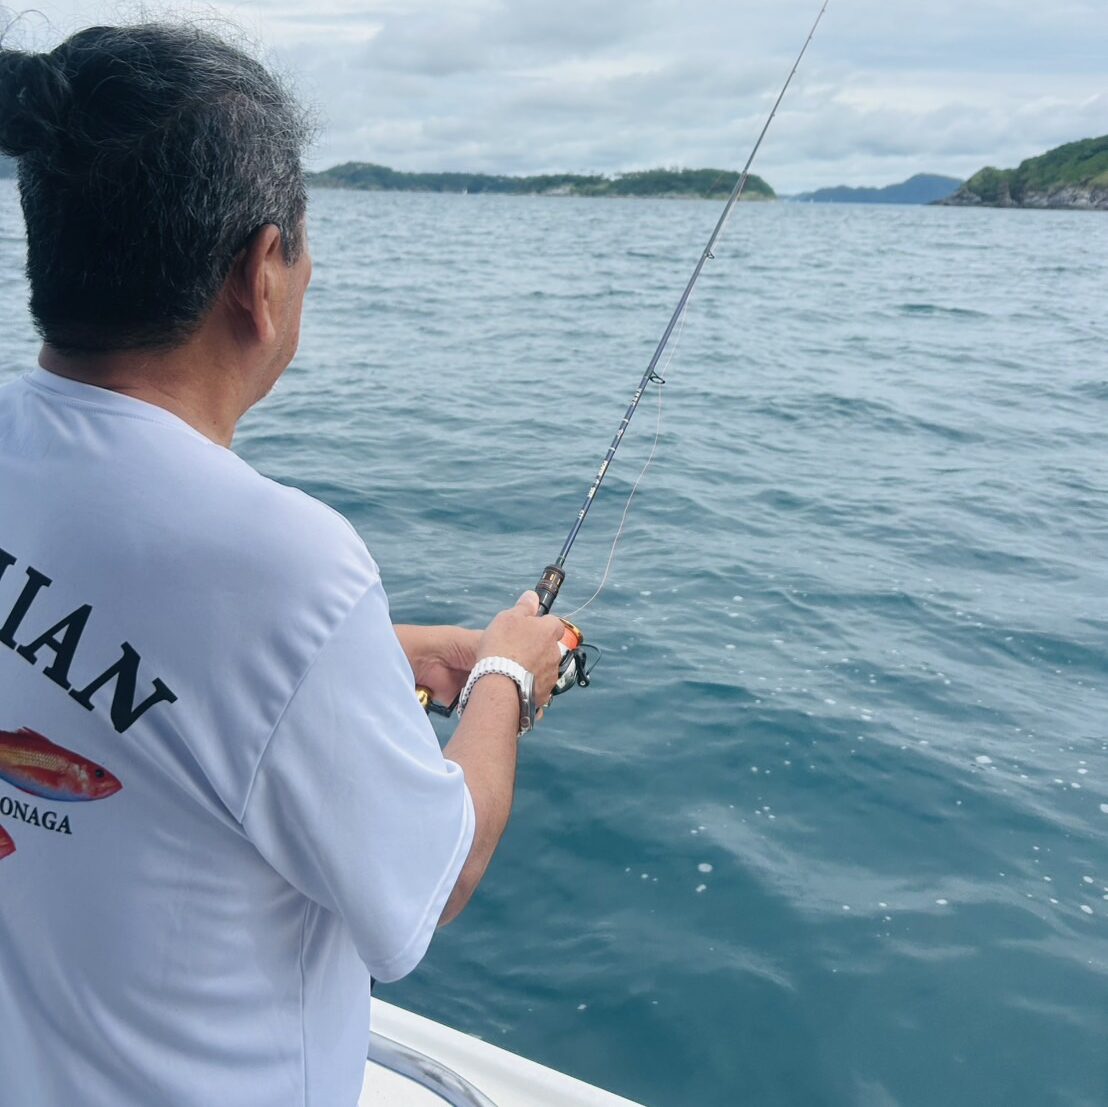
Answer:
(485, 743)
(353, 802)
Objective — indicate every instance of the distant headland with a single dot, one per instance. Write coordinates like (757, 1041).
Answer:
(923, 188)
(1074, 176)
(704, 184)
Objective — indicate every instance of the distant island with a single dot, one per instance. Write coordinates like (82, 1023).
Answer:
(1073, 176)
(706, 184)
(923, 188)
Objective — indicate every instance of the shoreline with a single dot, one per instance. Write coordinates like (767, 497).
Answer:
(560, 194)
(1066, 198)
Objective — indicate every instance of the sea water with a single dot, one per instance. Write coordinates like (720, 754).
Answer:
(831, 825)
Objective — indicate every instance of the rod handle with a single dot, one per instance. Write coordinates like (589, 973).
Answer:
(548, 587)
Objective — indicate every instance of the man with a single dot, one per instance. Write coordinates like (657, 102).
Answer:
(221, 806)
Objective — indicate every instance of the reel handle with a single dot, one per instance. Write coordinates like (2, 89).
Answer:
(427, 701)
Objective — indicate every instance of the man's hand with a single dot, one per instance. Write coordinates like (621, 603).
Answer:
(522, 634)
(441, 657)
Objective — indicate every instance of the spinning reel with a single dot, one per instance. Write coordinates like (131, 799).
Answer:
(579, 657)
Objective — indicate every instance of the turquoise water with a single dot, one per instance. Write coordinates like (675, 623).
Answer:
(831, 826)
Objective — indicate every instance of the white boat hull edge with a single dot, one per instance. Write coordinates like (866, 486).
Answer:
(505, 1078)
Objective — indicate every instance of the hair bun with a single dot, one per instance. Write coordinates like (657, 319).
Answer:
(34, 102)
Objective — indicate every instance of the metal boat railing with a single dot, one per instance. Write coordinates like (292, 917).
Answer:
(425, 1071)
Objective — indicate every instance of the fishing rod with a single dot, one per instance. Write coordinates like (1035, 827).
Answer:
(575, 665)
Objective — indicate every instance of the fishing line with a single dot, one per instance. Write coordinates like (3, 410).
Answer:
(642, 473)
(623, 519)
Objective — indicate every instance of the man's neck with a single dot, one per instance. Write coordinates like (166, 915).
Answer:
(187, 381)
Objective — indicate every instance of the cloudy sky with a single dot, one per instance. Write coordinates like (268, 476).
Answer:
(888, 88)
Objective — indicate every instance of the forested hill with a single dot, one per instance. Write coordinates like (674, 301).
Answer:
(1070, 176)
(703, 183)
(706, 183)
(923, 188)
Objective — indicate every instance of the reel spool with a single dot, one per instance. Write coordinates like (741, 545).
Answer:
(578, 659)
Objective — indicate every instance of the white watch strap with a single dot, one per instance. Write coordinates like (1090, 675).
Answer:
(503, 666)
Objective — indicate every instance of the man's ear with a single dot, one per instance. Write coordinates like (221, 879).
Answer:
(254, 285)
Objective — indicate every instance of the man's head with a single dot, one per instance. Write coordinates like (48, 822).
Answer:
(152, 160)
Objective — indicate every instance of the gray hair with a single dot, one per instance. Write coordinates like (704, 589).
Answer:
(149, 156)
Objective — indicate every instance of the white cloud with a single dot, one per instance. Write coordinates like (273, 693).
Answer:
(888, 89)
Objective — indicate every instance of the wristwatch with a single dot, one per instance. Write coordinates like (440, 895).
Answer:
(525, 682)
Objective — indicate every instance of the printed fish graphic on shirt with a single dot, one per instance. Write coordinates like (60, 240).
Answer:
(7, 845)
(34, 764)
